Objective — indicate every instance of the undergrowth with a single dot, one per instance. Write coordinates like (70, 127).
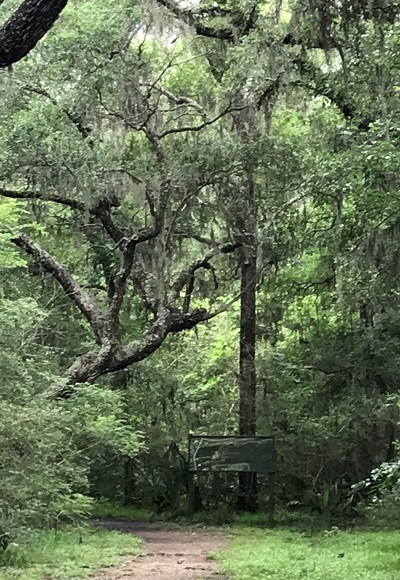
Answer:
(69, 553)
(220, 516)
(104, 508)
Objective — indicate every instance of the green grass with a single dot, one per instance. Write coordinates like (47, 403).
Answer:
(67, 554)
(104, 508)
(287, 555)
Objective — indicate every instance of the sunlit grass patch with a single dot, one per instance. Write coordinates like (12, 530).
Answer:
(286, 555)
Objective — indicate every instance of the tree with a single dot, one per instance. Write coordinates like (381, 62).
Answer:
(142, 248)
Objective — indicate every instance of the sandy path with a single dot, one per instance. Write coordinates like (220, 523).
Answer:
(170, 553)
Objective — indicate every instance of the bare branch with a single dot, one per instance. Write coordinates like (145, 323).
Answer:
(196, 128)
(102, 212)
(105, 360)
(186, 275)
(120, 281)
(182, 100)
(148, 343)
(144, 284)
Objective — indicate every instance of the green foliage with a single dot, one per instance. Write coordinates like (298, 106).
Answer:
(41, 480)
(381, 493)
(12, 216)
(101, 421)
(68, 553)
(47, 447)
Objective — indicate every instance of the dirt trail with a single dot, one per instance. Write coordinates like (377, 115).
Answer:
(170, 553)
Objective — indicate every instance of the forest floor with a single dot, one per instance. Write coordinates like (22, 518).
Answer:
(170, 552)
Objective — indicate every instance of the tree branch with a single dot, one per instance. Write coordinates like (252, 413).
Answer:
(120, 280)
(83, 130)
(125, 242)
(101, 210)
(202, 126)
(190, 19)
(187, 274)
(318, 84)
(72, 289)
(34, 195)
(144, 284)
(104, 360)
(29, 23)
(182, 100)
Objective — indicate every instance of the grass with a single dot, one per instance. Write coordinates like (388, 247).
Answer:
(67, 554)
(334, 555)
(104, 508)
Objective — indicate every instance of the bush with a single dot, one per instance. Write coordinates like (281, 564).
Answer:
(47, 447)
(380, 494)
(43, 477)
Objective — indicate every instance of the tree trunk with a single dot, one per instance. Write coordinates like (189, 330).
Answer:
(247, 497)
(26, 27)
(129, 481)
(247, 405)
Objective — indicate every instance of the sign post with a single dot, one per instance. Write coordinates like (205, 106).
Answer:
(232, 453)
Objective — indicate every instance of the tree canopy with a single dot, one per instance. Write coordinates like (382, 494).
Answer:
(199, 229)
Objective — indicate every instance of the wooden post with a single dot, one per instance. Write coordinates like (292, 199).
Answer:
(191, 496)
(271, 499)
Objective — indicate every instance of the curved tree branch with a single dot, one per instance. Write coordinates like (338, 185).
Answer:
(191, 20)
(33, 195)
(23, 30)
(187, 274)
(207, 123)
(120, 280)
(72, 289)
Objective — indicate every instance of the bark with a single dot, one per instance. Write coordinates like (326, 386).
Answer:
(240, 26)
(114, 356)
(29, 23)
(247, 406)
(24, 195)
(129, 481)
(191, 20)
(186, 276)
(247, 498)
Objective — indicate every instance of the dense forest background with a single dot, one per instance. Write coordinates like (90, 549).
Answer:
(199, 227)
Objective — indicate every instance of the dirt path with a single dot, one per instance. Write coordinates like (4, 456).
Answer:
(170, 553)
